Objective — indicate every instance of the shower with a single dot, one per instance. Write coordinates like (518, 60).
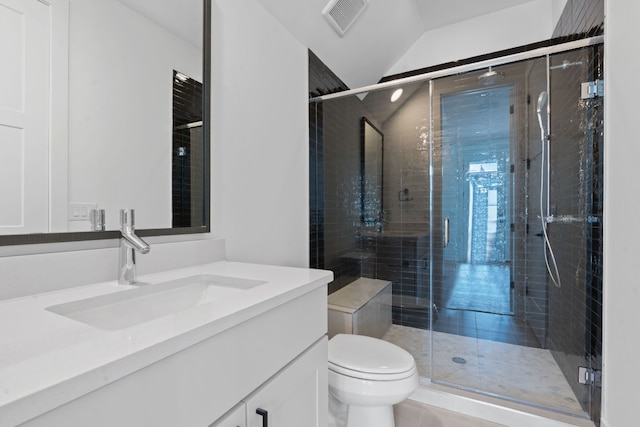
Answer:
(542, 113)
(464, 147)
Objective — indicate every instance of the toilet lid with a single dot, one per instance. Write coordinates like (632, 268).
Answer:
(366, 355)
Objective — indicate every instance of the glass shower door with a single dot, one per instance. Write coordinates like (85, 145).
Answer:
(476, 197)
(502, 321)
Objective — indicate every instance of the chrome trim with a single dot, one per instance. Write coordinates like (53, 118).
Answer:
(535, 53)
(189, 125)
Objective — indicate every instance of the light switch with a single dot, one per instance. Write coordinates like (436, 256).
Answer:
(81, 211)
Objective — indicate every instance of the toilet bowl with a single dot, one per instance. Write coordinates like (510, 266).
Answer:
(369, 376)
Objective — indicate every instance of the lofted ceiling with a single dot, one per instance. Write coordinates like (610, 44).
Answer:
(370, 48)
(380, 36)
(439, 13)
(182, 17)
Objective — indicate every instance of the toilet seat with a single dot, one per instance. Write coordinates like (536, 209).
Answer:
(372, 377)
(369, 358)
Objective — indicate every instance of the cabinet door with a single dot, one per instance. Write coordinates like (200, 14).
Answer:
(296, 396)
(237, 417)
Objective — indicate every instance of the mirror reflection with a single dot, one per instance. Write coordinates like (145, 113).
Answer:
(126, 76)
(372, 149)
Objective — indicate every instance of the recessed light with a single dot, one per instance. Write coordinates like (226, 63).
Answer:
(396, 95)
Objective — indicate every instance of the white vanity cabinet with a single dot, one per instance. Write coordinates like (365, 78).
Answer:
(295, 397)
(275, 360)
(237, 417)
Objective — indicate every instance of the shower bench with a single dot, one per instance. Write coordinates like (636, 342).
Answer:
(362, 307)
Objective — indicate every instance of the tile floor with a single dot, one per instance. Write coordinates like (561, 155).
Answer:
(478, 287)
(495, 327)
(507, 370)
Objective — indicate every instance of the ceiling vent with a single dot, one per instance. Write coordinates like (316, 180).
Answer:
(341, 14)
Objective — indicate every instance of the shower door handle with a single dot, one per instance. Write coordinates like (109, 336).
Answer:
(446, 231)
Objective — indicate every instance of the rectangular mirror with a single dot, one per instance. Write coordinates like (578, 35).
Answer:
(372, 163)
(108, 110)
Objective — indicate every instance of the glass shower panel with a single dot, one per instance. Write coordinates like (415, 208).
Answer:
(372, 192)
(485, 126)
(476, 128)
(516, 157)
(574, 219)
(473, 302)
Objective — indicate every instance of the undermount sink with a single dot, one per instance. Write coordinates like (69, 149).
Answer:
(130, 307)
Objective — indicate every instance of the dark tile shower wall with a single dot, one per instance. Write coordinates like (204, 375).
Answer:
(322, 81)
(403, 256)
(574, 329)
(334, 168)
(339, 240)
(575, 311)
(342, 181)
(531, 271)
(581, 18)
(316, 187)
(187, 154)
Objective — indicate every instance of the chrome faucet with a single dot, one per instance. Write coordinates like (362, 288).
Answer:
(129, 244)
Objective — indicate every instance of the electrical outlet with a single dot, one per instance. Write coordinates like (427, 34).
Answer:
(81, 211)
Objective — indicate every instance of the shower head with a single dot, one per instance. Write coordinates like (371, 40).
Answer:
(490, 77)
(542, 102)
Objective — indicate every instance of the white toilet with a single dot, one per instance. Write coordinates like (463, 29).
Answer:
(369, 376)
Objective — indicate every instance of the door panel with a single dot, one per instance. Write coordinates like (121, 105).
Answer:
(24, 122)
(476, 128)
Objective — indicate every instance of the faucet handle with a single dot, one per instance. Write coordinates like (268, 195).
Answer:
(127, 219)
(97, 217)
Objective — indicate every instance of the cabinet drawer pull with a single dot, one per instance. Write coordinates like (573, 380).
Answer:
(265, 416)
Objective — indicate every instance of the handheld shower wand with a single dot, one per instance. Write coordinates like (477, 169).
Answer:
(542, 112)
(542, 120)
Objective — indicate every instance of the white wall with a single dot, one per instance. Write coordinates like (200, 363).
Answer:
(519, 25)
(260, 199)
(259, 167)
(622, 228)
(120, 110)
(34, 269)
(260, 136)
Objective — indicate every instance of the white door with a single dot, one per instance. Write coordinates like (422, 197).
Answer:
(24, 116)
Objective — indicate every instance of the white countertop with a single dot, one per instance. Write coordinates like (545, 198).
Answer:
(47, 359)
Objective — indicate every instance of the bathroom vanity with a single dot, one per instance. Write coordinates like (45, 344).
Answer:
(222, 344)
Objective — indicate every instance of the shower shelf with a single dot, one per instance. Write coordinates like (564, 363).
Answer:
(572, 219)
